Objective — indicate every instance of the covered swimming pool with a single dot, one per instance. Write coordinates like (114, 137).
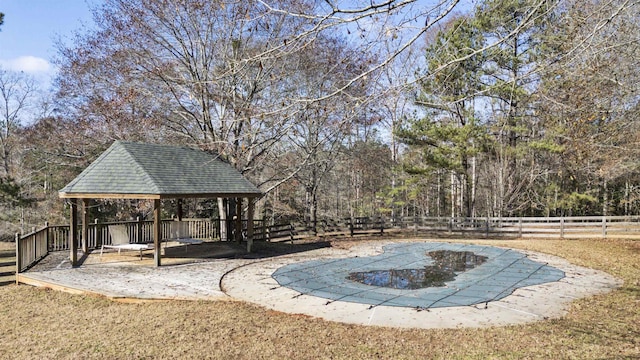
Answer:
(452, 275)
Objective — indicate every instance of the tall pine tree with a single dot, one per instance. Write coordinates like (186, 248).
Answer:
(449, 135)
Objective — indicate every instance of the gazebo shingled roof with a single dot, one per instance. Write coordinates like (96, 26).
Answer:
(129, 170)
(152, 171)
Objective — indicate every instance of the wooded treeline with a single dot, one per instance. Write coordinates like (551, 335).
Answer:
(397, 108)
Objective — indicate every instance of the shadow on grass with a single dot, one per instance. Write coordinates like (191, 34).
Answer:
(617, 329)
(617, 334)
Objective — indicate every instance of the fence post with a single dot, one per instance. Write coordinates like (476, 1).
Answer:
(486, 227)
(562, 227)
(267, 232)
(520, 228)
(351, 226)
(450, 225)
(139, 229)
(33, 242)
(18, 256)
(291, 231)
(46, 234)
(98, 233)
(381, 220)
(604, 227)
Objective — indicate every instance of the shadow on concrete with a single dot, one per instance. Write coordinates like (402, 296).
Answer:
(263, 249)
(82, 259)
(234, 250)
(176, 255)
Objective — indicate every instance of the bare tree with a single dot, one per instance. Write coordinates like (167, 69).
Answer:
(17, 94)
(590, 106)
(226, 74)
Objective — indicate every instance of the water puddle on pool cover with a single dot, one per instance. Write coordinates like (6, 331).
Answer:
(447, 264)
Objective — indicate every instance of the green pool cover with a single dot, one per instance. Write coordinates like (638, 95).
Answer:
(500, 272)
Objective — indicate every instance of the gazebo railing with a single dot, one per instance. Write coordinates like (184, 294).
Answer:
(32, 247)
(140, 232)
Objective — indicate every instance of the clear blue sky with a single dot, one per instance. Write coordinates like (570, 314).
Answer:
(30, 28)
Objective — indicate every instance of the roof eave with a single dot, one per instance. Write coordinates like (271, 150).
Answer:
(66, 195)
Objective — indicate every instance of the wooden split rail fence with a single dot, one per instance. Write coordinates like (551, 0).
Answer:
(522, 227)
(7, 267)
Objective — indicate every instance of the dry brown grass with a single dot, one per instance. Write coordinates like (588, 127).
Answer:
(39, 323)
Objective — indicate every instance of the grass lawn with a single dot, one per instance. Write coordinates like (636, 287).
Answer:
(39, 324)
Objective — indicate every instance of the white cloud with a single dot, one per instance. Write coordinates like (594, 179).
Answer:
(28, 64)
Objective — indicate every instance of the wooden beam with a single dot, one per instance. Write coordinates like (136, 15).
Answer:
(210, 195)
(250, 224)
(157, 233)
(73, 233)
(107, 196)
(85, 226)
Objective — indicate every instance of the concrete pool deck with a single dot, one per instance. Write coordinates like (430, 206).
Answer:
(226, 276)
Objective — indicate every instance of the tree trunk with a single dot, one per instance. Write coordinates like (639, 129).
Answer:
(605, 198)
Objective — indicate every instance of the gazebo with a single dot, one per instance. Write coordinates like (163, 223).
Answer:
(128, 170)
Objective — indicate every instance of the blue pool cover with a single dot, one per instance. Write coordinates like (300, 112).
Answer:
(504, 271)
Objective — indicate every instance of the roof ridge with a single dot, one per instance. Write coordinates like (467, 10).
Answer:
(139, 166)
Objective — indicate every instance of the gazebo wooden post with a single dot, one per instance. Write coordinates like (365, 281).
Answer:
(73, 233)
(238, 220)
(85, 226)
(250, 224)
(157, 233)
(179, 211)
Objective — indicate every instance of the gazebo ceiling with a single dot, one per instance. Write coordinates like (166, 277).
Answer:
(151, 171)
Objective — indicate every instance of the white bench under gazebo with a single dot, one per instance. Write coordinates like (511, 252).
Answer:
(129, 170)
